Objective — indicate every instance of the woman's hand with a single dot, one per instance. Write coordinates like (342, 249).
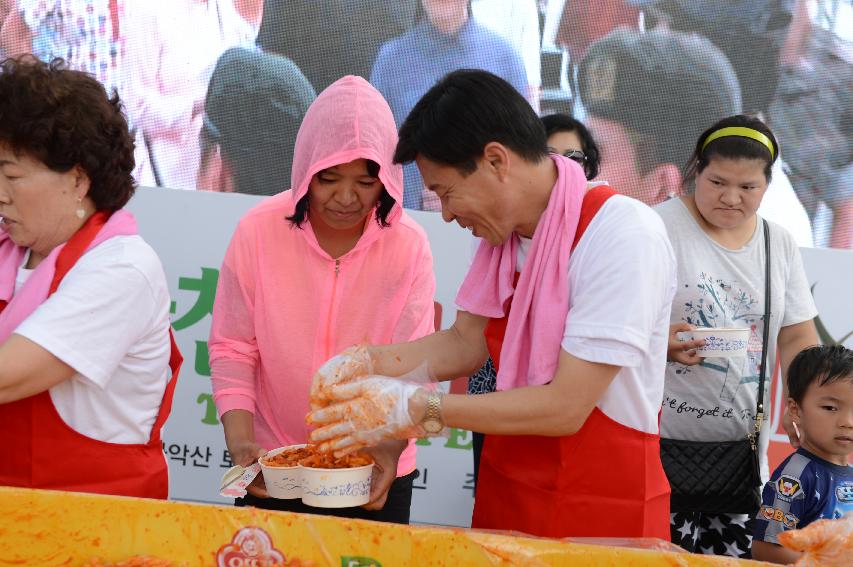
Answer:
(245, 453)
(683, 352)
(353, 363)
(385, 455)
(369, 411)
(240, 440)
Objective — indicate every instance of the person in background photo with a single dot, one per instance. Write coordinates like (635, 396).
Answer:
(254, 106)
(87, 34)
(647, 97)
(87, 367)
(568, 136)
(447, 38)
(331, 263)
(328, 39)
(718, 236)
(750, 33)
(517, 21)
(168, 70)
(816, 87)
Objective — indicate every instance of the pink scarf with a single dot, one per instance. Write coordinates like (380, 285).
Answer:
(35, 291)
(537, 320)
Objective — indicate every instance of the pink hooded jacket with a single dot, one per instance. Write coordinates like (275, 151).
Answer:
(284, 306)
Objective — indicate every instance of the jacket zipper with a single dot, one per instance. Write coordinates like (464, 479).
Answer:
(329, 352)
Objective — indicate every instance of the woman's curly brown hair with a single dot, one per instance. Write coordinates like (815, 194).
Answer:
(64, 118)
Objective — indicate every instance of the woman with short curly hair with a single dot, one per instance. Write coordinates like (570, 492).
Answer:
(85, 350)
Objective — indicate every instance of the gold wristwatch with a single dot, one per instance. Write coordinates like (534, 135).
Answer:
(432, 422)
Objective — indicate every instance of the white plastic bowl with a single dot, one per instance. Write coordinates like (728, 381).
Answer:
(336, 488)
(282, 482)
(722, 342)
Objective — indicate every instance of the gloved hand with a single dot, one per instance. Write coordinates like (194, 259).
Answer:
(825, 543)
(368, 411)
(352, 364)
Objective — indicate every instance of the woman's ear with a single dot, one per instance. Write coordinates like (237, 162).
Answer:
(82, 183)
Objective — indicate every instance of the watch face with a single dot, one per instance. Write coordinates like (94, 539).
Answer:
(432, 425)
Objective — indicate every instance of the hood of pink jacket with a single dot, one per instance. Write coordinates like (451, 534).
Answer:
(348, 121)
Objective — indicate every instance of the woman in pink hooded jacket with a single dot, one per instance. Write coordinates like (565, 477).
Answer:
(331, 263)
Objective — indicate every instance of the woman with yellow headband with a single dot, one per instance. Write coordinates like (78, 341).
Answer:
(728, 259)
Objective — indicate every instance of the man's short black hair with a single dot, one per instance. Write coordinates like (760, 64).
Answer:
(822, 364)
(452, 123)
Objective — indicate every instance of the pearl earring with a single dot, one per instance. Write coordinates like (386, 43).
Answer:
(81, 212)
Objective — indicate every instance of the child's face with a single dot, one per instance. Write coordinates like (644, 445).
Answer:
(825, 419)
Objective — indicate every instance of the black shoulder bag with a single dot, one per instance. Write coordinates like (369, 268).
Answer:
(721, 477)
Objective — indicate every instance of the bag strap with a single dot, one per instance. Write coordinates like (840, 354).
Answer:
(762, 374)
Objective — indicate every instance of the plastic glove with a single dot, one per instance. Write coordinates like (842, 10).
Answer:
(823, 543)
(352, 364)
(369, 411)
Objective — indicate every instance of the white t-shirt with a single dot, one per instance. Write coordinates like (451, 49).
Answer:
(622, 278)
(109, 321)
(717, 287)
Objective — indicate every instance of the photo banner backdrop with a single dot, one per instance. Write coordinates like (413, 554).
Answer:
(219, 108)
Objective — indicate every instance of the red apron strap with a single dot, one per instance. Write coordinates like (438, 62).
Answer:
(593, 200)
(176, 360)
(76, 247)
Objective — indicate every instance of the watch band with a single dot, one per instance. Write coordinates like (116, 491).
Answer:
(433, 411)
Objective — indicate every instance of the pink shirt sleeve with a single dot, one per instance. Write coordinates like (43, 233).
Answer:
(417, 320)
(233, 345)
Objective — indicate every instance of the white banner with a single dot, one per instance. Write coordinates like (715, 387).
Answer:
(191, 229)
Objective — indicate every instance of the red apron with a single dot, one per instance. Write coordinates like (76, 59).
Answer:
(39, 450)
(606, 480)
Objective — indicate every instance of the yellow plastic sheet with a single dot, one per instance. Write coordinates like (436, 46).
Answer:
(60, 528)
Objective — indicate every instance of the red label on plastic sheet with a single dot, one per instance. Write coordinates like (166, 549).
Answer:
(251, 547)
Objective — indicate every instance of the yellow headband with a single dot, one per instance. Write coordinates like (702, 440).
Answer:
(743, 132)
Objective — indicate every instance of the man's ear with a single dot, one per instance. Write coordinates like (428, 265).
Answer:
(665, 179)
(496, 160)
